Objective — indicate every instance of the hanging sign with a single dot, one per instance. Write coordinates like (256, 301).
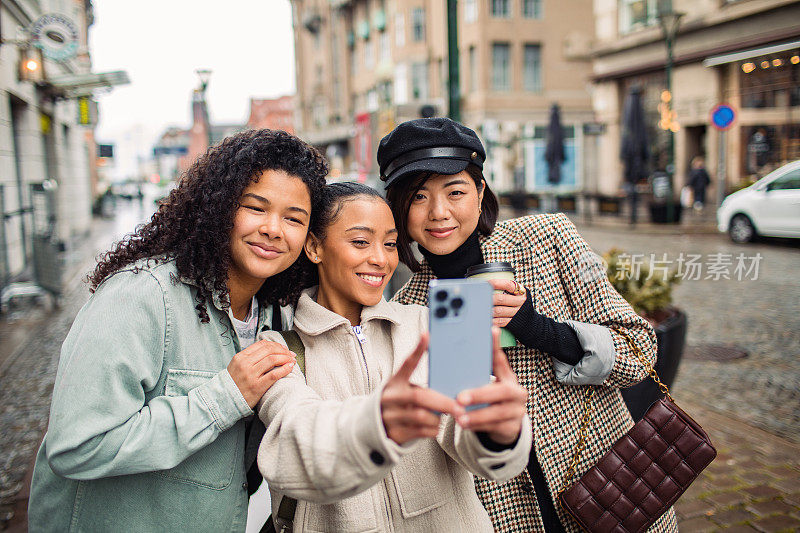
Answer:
(57, 37)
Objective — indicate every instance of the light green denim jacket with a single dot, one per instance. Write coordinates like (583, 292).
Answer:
(146, 427)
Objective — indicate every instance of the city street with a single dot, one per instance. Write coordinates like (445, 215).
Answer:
(749, 406)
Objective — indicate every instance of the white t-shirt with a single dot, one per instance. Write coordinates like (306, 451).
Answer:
(247, 329)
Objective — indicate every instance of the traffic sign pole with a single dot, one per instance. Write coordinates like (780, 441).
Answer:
(722, 118)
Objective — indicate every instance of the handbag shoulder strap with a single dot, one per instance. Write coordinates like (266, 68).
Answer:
(588, 404)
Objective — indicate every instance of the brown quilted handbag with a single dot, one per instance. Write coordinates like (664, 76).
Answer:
(643, 473)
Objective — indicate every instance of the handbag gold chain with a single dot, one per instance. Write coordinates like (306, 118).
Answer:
(587, 411)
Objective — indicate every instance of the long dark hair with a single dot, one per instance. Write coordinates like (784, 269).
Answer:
(334, 196)
(400, 196)
(192, 226)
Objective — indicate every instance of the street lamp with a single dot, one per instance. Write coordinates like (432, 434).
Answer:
(670, 21)
(204, 75)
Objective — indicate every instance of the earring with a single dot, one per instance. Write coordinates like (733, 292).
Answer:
(480, 210)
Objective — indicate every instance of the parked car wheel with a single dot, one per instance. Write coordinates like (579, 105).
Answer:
(741, 229)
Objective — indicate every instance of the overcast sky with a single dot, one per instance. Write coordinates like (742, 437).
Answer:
(248, 45)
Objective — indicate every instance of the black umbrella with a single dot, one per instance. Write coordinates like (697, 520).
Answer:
(554, 151)
(635, 152)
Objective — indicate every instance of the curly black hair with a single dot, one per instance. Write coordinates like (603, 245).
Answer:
(192, 226)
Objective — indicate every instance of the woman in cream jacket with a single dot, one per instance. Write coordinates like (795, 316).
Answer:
(362, 446)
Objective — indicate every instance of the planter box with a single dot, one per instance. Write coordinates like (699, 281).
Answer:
(671, 334)
(659, 213)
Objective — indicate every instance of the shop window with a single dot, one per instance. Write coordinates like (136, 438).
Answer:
(768, 146)
(770, 81)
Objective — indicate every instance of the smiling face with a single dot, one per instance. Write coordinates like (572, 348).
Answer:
(269, 229)
(444, 212)
(357, 257)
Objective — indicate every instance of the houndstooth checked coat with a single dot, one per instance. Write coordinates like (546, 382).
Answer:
(554, 262)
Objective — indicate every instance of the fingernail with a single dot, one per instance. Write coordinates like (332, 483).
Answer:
(463, 420)
(464, 398)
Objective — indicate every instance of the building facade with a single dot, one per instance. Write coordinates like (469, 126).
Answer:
(744, 53)
(363, 66)
(272, 113)
(47, 119)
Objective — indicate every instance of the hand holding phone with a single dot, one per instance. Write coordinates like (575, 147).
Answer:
(505, 400)
(460, 322)
(411, 412)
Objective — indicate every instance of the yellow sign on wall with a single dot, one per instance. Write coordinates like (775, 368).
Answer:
(84, 111)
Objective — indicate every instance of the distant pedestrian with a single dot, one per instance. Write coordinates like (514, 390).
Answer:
(564, 313)
(160, 370)
(699, 181)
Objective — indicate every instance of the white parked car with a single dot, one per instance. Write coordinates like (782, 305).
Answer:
(769, 207)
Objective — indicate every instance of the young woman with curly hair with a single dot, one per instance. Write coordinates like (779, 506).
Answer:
(159, 372)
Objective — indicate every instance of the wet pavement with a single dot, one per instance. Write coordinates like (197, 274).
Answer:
(750, 406)
(31, 334)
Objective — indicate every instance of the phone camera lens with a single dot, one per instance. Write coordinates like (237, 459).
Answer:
(441, 312)
(457, 303)
(441, 296)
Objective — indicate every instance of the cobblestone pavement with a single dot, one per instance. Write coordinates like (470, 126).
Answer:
(761, 316)
(26, 381)
(750, 407)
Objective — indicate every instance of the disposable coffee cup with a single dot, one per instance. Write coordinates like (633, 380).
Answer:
(487, 271)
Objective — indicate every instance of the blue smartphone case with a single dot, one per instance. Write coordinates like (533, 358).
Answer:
(460, 324)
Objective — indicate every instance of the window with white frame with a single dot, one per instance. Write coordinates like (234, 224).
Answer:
(369, 54)
(501, 8)
(384, 50)
(532, 74)
(419, 81)
(501, 66)
(634, 14)
(470, 10)
(401, 83)
(399, 30)
(532, 9)
(418, 24)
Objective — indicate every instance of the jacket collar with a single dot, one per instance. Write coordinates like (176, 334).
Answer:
(313, 319)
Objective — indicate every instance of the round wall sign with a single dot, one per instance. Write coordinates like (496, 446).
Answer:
(57, 37)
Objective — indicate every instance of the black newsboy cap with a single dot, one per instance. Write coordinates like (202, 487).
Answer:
(437, 145)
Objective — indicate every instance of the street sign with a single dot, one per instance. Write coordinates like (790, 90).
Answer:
(722, 117)
(56, 35)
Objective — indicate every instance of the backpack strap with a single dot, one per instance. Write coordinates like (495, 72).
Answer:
(295, 344)
(284, 518)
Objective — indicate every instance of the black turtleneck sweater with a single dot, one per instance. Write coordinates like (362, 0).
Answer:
(532, 329)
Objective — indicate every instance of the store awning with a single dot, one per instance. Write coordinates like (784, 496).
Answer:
(74, 85)
(749, 54)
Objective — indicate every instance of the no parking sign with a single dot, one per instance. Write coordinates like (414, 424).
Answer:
(723, 116)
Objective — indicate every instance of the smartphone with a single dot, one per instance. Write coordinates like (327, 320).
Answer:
(460, 325)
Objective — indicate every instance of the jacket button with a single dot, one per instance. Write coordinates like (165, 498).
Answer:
(376, 457)
(527, 486)
(244, 485)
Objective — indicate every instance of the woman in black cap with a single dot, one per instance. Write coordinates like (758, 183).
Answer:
(561, 308)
